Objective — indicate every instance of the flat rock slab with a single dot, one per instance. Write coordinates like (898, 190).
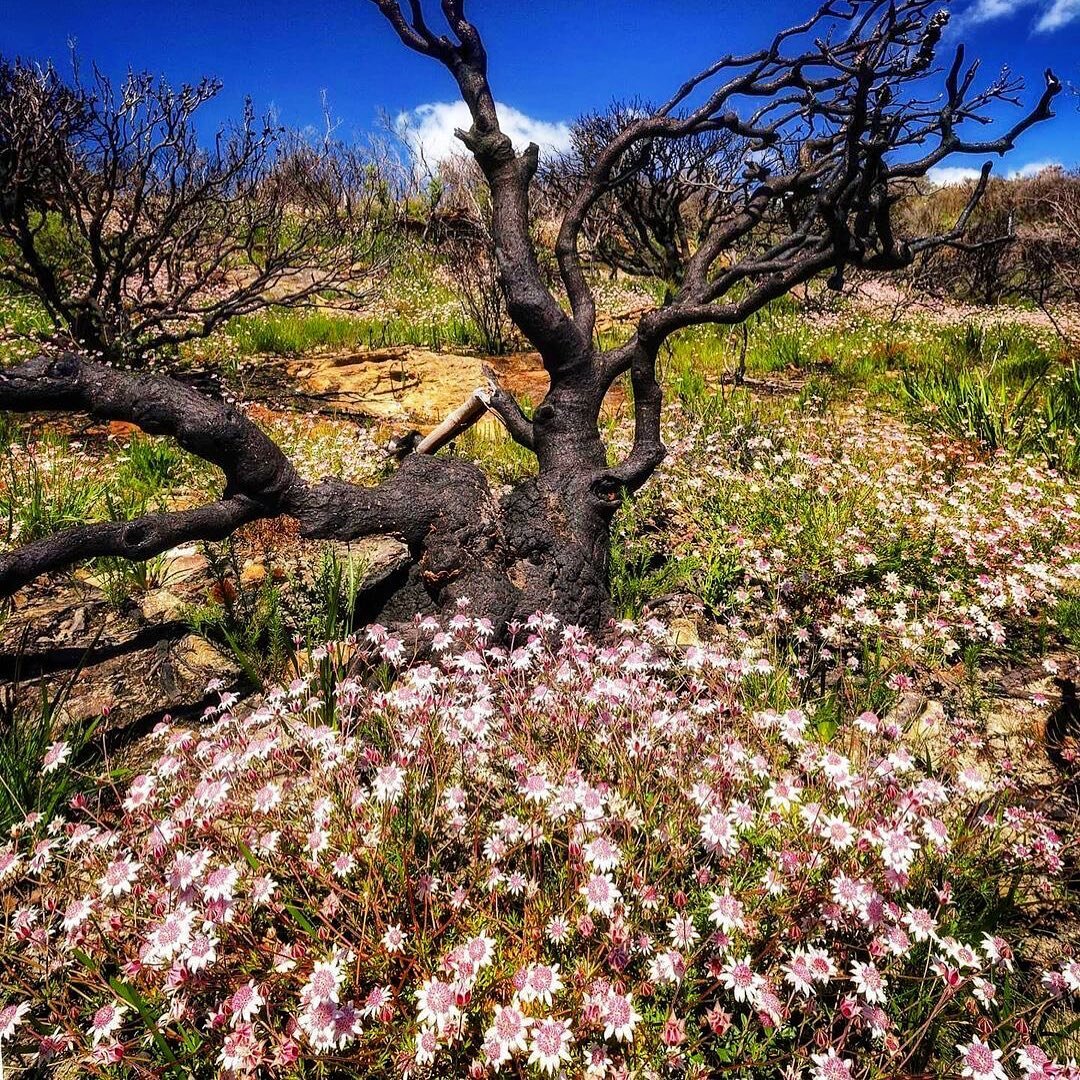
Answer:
(410, 383)
(418, 385)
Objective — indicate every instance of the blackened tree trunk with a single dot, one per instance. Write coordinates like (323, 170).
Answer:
(834, 119)
(542, 547)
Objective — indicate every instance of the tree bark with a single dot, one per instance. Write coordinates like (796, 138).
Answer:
(540, 547)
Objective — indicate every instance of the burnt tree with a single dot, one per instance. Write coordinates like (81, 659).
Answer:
(134, 237)
(838, 115)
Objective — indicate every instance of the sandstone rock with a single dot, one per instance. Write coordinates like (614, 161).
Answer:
(405, 382)
(684, 632)
(195, 661)
(161, 605)
(181, 564)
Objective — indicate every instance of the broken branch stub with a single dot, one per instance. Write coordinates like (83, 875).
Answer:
(461, 419)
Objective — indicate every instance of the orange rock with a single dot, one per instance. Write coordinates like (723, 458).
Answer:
(253, 573)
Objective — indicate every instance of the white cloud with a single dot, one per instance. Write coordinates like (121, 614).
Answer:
(948, 175)
(1057, 15)
(428, 130)
(987, 10)
(1051, 15)
(1033, 168)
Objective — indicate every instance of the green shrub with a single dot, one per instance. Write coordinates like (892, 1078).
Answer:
(970, 403)
(249, 622)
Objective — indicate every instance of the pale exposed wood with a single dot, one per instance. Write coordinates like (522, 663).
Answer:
(461, 419)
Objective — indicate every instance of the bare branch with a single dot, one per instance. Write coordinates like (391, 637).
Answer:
(501, 402)
(461, 419)
(153, 239)
(564, 348)
(260, 482)
(137, 540)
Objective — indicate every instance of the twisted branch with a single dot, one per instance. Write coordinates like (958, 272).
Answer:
(260, 481)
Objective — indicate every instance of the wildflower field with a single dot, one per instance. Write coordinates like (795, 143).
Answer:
(591, 595)
(803, 813)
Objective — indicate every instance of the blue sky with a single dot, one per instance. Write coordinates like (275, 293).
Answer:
(550, 59)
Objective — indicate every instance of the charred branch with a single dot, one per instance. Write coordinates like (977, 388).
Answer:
(530, 303)
(136, 540)
(501, 402)
(259, 480)
(136, 238)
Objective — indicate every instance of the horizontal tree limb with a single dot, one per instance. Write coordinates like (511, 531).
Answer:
(214, 431)
(137, 540)
(412, 503)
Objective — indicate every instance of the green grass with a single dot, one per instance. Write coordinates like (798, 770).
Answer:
(249, 623)
(1059, 421)
(1022, 403)
(325, 608)
(51, 485)
(641, 568)
(29, 724)
(141, 475)
(644, 563)
(970, 403)
(262, 624)
(122, 578)
(43, 495)
(48, 485)
(489, 445)
(10, 432)
(22, 321)
(284, 332)
(1003, 384)
(1067, 618)
(150, 464)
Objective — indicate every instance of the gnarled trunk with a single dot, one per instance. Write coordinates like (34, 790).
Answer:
(538, 548)
(541, 546)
